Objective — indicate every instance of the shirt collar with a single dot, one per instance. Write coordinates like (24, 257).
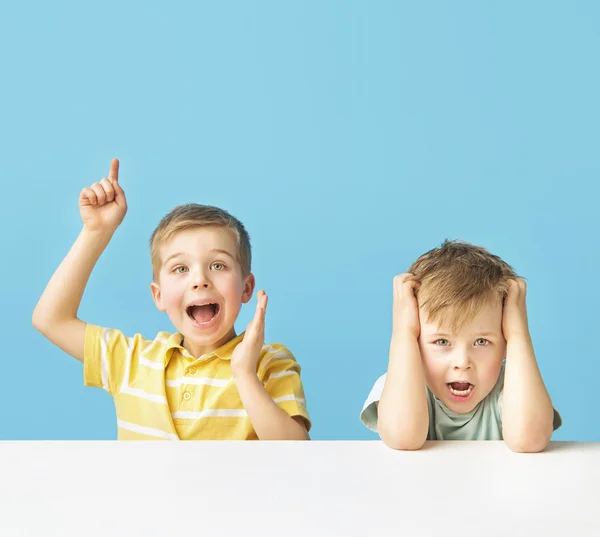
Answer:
(224, 352)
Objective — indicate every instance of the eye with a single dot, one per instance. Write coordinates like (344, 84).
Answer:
(442, 342)
(180, 269)
(481, 342)
(218, 266)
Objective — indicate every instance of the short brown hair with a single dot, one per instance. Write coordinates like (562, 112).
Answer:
(457, 279)
(194, 215)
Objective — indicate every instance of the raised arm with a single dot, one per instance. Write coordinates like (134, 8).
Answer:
(527, 412)
(102, 207)
(269, 421)
(403, 418)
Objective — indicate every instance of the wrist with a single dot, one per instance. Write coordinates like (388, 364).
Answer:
(243, 375)
(521, 336)
(96, 236)
(404, 333)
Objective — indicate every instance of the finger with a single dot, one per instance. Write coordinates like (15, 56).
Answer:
(406, 284)
(263, 309)
(100, 194)
(113, 177)
(513, 287)
(406, 278)
(113, 174)
(401, 278)
(120, 195)
(256, 327)
(412, 284)
(88, 197)
(108, 189)
(512, 293)
(249, 330)
(259, 313)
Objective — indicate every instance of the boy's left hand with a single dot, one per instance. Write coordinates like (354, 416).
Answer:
(514, 312)
(244, 359)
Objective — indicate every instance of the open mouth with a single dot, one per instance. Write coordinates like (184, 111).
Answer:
(203, 313)
(461, 391)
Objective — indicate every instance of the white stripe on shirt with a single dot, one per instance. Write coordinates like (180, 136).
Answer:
(290, 398)
(103, 360)
(206, 381)
(136, 392)
(212, 413)
(150, 363)
(148, 431)
(285, 373)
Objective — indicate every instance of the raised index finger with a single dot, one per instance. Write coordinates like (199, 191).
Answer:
(113, 175)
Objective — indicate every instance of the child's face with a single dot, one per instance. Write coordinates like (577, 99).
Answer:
(462, 369)
(201, 286)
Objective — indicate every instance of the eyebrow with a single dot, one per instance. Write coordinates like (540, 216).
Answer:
(171, 257)
(216, 250)
(478, 334)
(219, 251)
(486, 334)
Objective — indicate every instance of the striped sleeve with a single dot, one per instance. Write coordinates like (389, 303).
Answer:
(281, 377)
(107, 355)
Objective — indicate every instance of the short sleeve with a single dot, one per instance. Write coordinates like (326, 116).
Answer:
(557, 421)
(280, 374)
(369, 412)
(106, 355)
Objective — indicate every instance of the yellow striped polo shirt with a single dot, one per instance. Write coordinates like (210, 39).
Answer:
(162, 392)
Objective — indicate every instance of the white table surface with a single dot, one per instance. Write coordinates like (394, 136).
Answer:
(293, 488)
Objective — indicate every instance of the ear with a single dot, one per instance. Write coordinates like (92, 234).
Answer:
(157, 296)
(249, 285)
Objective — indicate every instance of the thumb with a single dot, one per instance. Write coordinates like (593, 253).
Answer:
(120, 195)
(249, 329)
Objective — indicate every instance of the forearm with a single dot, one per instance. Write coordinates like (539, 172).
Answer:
(527, 412)
(268, 420)
(61, 299)
(403, 418)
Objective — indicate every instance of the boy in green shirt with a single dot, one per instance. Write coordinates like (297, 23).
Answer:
(461, 364)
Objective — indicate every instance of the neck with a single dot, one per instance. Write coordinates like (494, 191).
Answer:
(197, 350)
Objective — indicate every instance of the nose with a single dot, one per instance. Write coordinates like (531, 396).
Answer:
(461, 361)
(200, 280)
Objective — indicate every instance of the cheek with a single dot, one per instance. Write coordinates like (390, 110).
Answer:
(433, 365)
(171, 296)
(489, 366)
(231, 288)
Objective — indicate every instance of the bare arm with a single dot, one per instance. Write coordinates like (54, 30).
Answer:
(527, 412)
(102, 208)
(403, 418)
(269, 421)
(55, 315)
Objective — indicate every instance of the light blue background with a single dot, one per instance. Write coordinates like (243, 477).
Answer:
(349, 137)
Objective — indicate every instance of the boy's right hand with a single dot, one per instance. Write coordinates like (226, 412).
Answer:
(406, 308)
(103, 205)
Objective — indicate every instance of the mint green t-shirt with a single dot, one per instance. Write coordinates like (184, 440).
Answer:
(484, 422)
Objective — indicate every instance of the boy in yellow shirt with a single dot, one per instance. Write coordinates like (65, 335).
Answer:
(204, 381)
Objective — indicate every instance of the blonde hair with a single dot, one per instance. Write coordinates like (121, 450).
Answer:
(457, 280)
(193, 215)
